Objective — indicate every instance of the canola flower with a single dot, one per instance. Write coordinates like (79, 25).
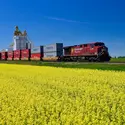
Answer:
(33, 95)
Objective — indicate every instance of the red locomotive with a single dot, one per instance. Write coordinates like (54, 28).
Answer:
(92, 52)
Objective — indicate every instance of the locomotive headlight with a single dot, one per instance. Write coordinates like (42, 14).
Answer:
(103, 49)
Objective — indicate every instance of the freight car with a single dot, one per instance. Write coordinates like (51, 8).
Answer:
(52, 52)
(96, 51)
(10, 55)
(3, 55)
(17, 54)
(37, 53)
(25, 54)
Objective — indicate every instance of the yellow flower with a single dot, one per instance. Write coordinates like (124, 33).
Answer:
(47, 95)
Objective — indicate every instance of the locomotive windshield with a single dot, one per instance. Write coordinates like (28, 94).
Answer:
(99, 44)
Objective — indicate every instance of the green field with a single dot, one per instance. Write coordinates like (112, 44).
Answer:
(117, 60)
(100, 66)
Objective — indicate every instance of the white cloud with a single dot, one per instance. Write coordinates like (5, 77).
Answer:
(62, 19)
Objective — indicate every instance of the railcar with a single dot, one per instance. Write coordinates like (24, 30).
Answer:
(10, 55)
(26, 54)
(17, 54)
(37, 53)
(4, 55)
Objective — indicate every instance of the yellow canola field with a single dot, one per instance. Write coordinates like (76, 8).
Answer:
(33, 95)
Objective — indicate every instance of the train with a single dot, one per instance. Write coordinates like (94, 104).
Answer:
(92, 52)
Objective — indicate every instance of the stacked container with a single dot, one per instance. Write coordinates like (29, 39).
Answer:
(3, 55)
(10, 55)
(53, 51)
(25, 54)
(17, 54)
(37, 53)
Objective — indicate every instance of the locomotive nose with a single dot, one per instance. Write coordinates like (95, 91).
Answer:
(104, 49)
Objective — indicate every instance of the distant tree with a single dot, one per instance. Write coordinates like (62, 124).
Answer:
(121, 57)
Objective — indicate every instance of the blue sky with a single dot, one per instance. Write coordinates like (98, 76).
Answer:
(68, 21)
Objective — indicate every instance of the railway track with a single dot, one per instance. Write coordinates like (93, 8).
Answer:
(97, 62)
(90, 62)
(117, 63)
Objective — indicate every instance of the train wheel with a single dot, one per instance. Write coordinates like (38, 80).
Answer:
(92, 59)
(98, 60)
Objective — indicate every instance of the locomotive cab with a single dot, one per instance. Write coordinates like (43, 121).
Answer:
(102, 51)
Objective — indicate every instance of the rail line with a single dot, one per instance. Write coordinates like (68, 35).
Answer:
(69, 62)
(82, 62)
